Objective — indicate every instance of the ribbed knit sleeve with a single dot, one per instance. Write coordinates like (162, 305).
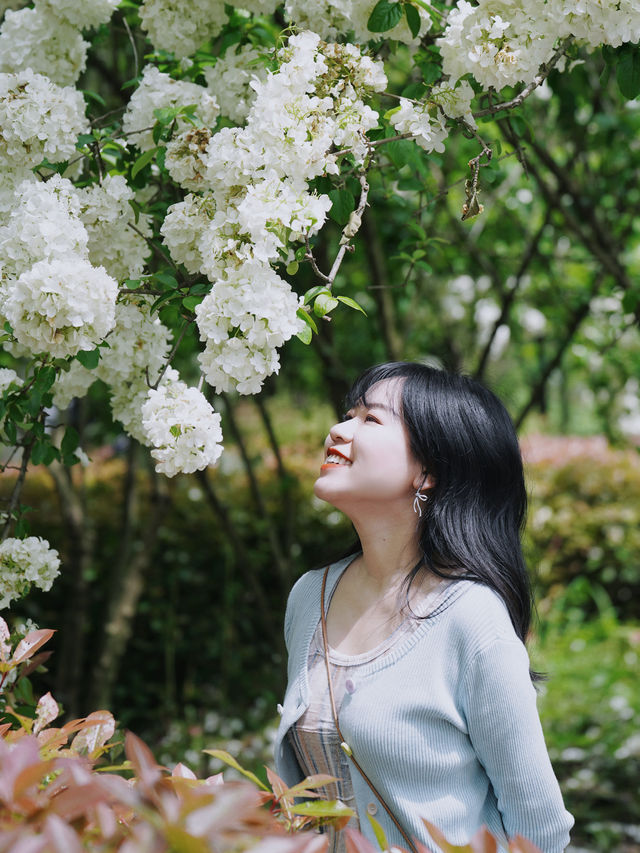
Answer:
(499, 703)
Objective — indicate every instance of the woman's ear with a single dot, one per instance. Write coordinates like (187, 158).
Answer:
(423, 482)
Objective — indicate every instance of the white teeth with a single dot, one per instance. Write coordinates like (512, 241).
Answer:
(337, 460)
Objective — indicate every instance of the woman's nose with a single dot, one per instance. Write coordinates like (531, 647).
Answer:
(340, 432)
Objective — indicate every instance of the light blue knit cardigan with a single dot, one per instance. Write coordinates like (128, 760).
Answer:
(445, 725)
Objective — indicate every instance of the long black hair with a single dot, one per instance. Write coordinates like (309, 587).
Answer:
(472, 521)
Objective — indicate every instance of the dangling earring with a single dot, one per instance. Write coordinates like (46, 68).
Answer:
(418, 499)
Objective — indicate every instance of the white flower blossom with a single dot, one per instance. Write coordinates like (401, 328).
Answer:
(455, 101)
(181, 426)
(38, 120)
(182, 26)
(237, 365)
(23, 563)
(74, 382)
(230, 78)
(243, 321)
(44, 223)
(597, 22)
(500, 42)
(107, 216)
(157, 91)
(429, 130)
(185, 157)
(331, 18)
(61, 306)
(45, 43)
(8, 377)
(81, 13)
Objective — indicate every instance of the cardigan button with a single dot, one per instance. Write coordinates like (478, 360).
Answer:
(349, 686)
(372, 808)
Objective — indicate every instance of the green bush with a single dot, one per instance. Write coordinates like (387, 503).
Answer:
(584, 522)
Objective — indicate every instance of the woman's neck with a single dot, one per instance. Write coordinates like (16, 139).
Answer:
(390, 549)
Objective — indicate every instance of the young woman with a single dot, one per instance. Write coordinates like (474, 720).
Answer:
(416, 692)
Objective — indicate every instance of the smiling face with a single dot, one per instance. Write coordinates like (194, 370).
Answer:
(368, 462)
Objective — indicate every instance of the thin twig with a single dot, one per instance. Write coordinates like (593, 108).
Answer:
(537, 81)
(160, 252)
(314, 266)
(17, 489)
(186, 325)
(132, 43)
(350, 229)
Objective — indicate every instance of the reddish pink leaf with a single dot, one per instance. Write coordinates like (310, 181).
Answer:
(146, 768)
(278, 785)
(76, 801)
(60, 836)
(31, 644)
(183, 772)
(34, 663)
(98, 727)
(355, 842)
(46, 712)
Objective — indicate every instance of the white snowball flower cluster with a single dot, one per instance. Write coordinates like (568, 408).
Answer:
(10, 180)
(158, 90)
(8, 378)
(424, 122)
(43, 42)
(182, 26)
(230, 78)
(243, 320)
(106, 214)
(24, 562)
(182, 428)
(61, 306)
(597, 21)
(331, 18)
(455, 101)
(38, 119)
(256, 178)
(501, 42)
(44, 222)
(138, 348)
(81, 13)
(55, 300)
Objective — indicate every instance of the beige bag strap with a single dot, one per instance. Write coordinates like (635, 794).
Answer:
(343, 744)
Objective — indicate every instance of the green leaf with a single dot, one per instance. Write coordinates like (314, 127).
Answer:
(324, 303)
(190, 302)
(308, 319)
(322, 808)
(384, 16)
(132, 283)
(166, 278)
(293, 268)
(162, 299)
(413, 18)
(311, 294)
(142, 161)
(402, 152)
(305, 335)
(45, 379)
(347, 300)
(628, 71)
(85, 139)
(89, 359)
(342, 205)
(175, 430)
(379, 833)
(70, 441)
(222, 755)
(609, 54)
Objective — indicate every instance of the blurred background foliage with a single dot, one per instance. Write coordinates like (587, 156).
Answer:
(169, 608)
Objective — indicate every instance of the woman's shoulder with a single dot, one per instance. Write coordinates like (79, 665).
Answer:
(478, 616)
